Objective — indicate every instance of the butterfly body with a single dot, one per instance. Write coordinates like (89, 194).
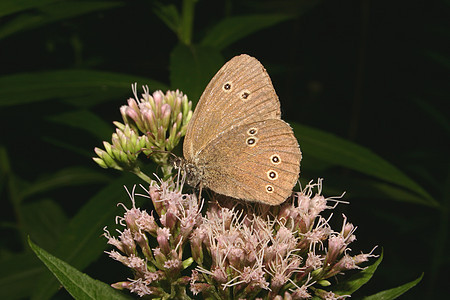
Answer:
(236, 144)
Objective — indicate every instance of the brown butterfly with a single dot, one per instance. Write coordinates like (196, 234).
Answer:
(236, 143)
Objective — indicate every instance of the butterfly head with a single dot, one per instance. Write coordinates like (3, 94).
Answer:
(194, 174)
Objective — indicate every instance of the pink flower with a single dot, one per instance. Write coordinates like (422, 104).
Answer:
(247, 249)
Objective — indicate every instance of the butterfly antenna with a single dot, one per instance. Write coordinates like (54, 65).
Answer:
(200, 192)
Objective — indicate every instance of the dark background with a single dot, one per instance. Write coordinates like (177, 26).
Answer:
(372, 72)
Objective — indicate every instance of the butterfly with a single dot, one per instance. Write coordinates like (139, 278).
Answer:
(236, 143)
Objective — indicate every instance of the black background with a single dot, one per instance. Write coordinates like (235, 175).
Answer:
(373, 72)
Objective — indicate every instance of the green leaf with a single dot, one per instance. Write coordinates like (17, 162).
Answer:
(192, 67)
(79, 285)
(70, 147)
(8, 7)
(5, 168)
(169, 15)
(232, 29)
(394, 292)
(359, 188)
(434, 113)
(82, 242)
(85, 120)
(71, 176)
(44, 221)
(45, 14)
(362, 188)
(354, 282)
(85, 87)
(187, 262)
(332, 149)
(441, 59)
(18, 274)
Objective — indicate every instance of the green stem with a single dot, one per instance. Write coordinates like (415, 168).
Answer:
(179, 292)
(187, 21)
(440, 239)
(214, 288)
(7, 175)
(167, 171)
(141, 175)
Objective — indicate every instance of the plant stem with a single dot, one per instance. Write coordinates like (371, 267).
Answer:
(141, 175)
(7, 175)
(187, 21)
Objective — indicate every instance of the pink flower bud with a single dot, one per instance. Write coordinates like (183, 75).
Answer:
(150, 121)
(147, 223)
(197, 288)
(186, 226)
(130, 219)
(173, 265)
(158, 100)
(285, 211)
(155, 195)
(132, 104)
(157, 96)
(236, 256)
(336, 246)
(129, 247)
(121, 285)
(301, 293)
(130, 114)
(220, 275)
(196, 241)
(162, 237)
(165, 115)
(160, 258)
(169, 220)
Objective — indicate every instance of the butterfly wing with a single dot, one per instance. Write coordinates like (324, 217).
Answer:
(258, 161)
(240, 91)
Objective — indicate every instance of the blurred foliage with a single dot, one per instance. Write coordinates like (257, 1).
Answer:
(363, 83)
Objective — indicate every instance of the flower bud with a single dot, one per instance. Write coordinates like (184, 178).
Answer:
(177, 104)
(157, 102)
(119, 125)
(173, 135)
(161, 133)
(150, 121)
(147, 223)
(108, 147)
(162, 237)
(133, 105)
(160, 258)
(169, 219)
(336, 245)
(100, 162)
(128, 244)
(220, 275)
(153, 124)
(121, 285)
(324, 282)
(155, 195)
(197, 288)
(196, 241)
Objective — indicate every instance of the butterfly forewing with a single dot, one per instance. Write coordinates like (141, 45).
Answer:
(240, 92)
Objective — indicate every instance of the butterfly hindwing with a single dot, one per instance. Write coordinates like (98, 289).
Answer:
(259, 161)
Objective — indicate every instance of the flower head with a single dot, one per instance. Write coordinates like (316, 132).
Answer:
(237, 251)
(153, 124)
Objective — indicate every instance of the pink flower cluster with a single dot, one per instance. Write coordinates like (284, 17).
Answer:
(237, 250)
